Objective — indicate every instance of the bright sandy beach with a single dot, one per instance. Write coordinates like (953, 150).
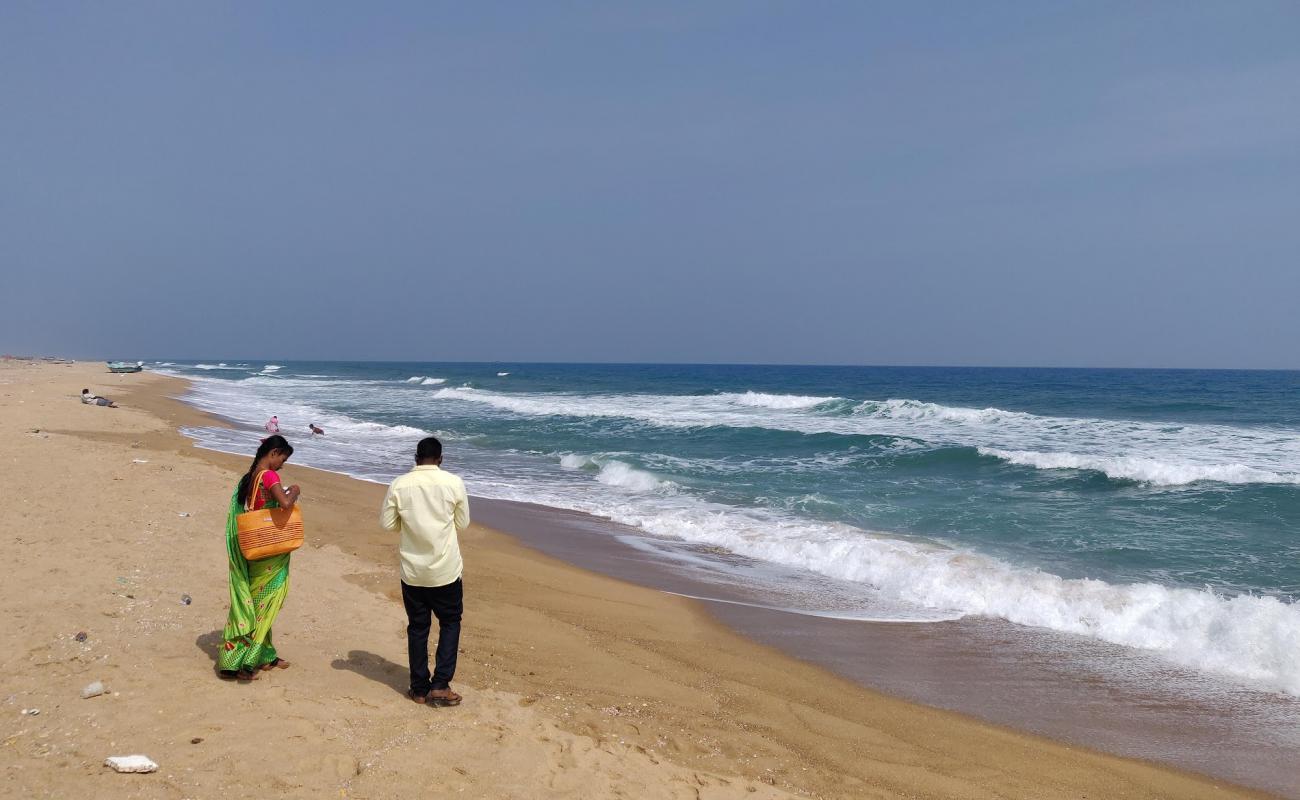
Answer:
(575, 685)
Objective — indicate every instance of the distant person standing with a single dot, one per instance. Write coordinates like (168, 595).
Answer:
(430, 508)
(272, 425)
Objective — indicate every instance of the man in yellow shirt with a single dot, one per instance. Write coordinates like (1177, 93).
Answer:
(429, 507)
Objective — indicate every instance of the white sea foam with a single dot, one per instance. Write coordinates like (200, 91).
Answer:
(574, 461)
(222, 365)
(777, 401)
(1247, 637)
(681, 411)
(1145, 470)
(1149, 452)
(612, 472)
(1167, 454)
(242, 402)
(899, 616)
(616, 473)
(272, 368)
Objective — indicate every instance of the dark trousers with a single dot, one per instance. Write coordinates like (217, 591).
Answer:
(447, 604)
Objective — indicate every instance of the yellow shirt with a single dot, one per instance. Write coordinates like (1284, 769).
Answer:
(429, 507)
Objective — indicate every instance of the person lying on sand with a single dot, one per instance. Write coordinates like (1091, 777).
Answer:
(95, 400)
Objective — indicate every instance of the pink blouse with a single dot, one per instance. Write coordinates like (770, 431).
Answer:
(269, 479)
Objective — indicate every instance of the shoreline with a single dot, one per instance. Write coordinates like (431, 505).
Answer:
(1089, 710)
(1074, 689)
(1029, 680)
(648, 680)
(1057, 685)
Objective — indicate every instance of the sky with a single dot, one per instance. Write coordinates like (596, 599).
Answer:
(1003, 183)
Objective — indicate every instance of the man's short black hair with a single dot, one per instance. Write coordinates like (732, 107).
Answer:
(429, 449)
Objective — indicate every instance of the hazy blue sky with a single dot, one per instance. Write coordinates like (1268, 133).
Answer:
(1033, 183)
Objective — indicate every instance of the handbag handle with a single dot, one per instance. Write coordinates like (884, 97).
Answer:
(255, 486)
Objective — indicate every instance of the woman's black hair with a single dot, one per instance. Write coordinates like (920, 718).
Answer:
(269, 445)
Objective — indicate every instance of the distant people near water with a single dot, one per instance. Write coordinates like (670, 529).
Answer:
(429, 507)
(257, 588)
(316, 430)
(95, 400)
(272, 425)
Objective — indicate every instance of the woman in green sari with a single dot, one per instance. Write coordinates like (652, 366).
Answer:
(257, 588)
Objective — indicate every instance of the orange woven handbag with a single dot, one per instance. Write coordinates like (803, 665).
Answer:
(267, 532)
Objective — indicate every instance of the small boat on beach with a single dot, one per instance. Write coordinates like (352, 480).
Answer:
(124, 366)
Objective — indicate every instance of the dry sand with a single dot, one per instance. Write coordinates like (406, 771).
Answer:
(575, 685)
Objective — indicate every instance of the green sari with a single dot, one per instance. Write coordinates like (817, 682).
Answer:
(257, 591)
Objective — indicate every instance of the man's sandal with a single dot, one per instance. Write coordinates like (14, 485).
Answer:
(443, 697)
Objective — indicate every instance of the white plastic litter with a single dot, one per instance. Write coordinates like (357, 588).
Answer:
(92, 690)
(131, 763)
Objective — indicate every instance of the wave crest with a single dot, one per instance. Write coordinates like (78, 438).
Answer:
(1143, 470)
(1144, 451)
(613, 472)
(775, 401)
(918, 410)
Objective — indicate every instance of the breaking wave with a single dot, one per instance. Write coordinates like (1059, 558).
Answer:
(1144, 451)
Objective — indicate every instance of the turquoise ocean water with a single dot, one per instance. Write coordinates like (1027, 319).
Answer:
(1157, 510)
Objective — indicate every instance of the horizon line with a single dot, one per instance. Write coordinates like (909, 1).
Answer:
(227, 359)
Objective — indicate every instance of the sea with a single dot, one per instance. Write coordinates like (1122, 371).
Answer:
(1157, 511)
